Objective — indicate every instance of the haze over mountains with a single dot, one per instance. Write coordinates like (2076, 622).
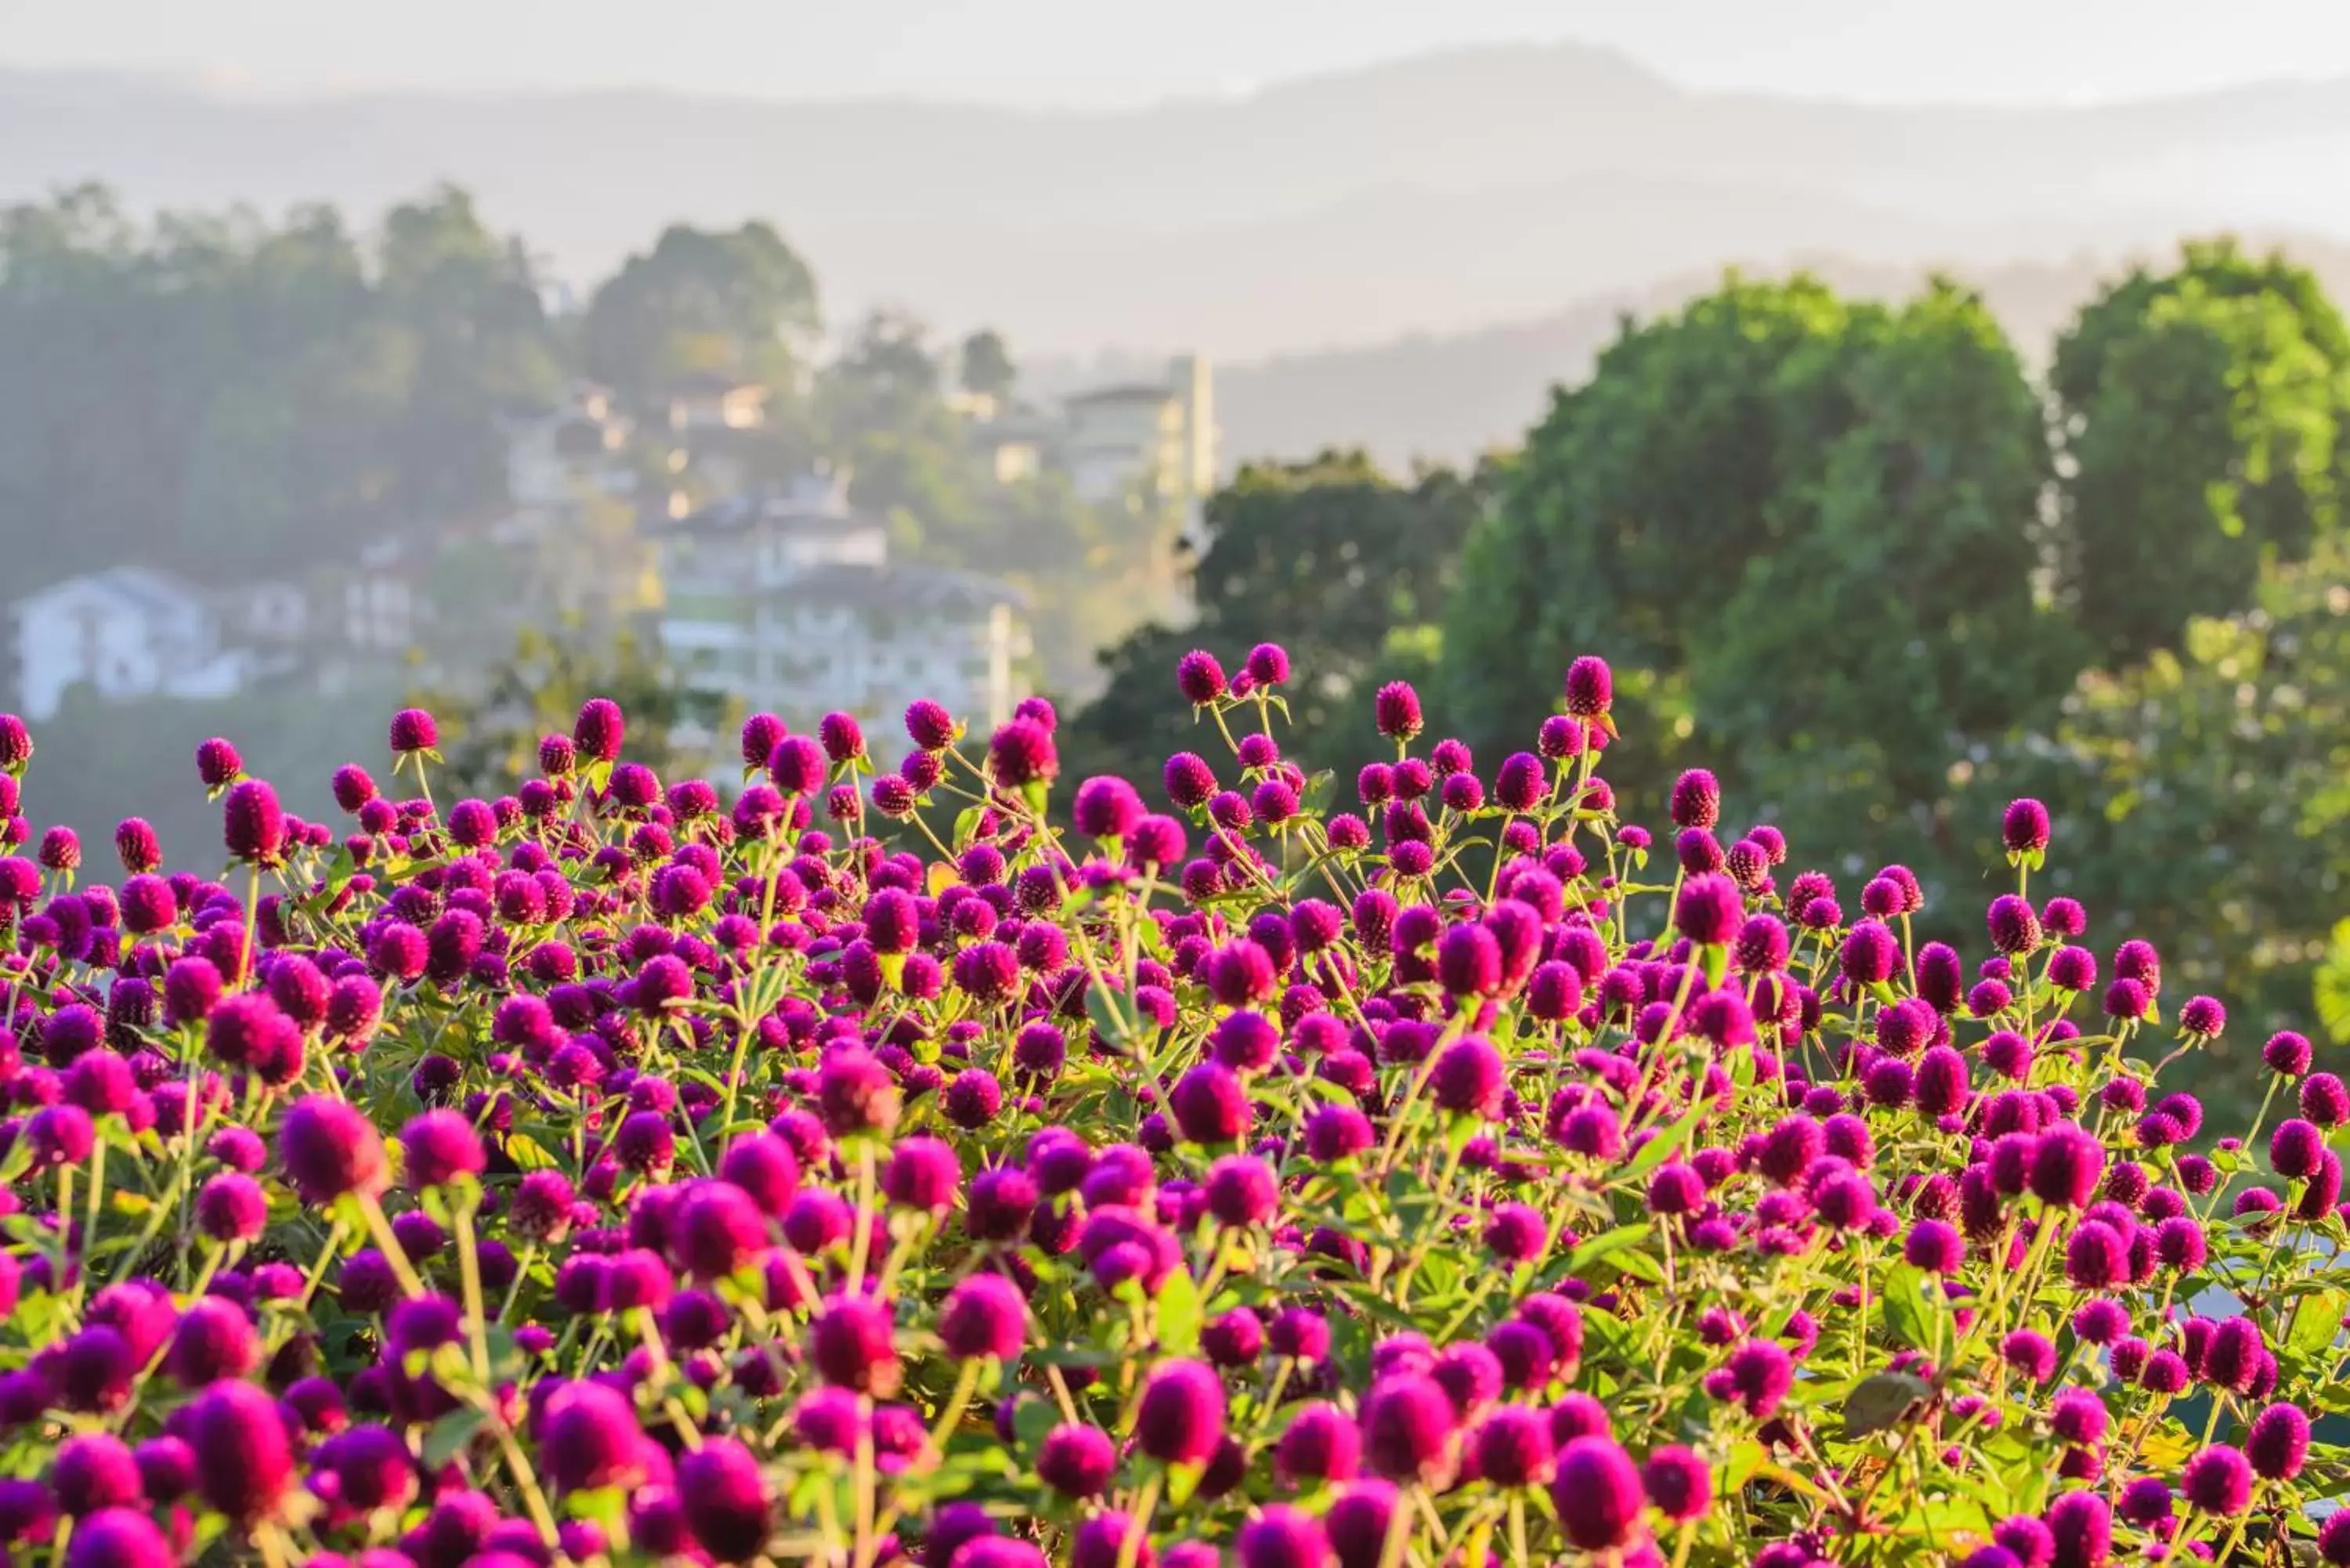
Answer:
(1446, 194)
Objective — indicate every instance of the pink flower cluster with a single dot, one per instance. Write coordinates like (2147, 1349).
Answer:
(639, 1171)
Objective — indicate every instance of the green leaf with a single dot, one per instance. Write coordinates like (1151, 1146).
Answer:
(2316, 1320)
(1032, 1419)
(1881, 1401)
(1115, 1018)
(1912, 1306)
(1665, 1144)
(450, 1434)
(1604, 1245)
(1178, 1315)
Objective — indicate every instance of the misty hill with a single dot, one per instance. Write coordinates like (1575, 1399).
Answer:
(1448, 398)
(1433, 194)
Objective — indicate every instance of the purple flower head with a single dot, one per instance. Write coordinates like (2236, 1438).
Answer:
(413, 730)
(1076, 1460)
(1021, 752)
(252, 825)
(1871, 953)
(1280, 1536)
(2015, 926)
(1409, 1422)
(842, 739)
(1679, 1481)
(984, 1316)
(1200, 678)
(439, 1147)
(121, 1537)
(1106, 807)
(1709, 909)
(244, 1463)
(724, 1498)
(2023, 827)
(2277, 1446)
(2218, 1482)
(1210, 1105)
(1180, 1418)
(2067, 1164)
(2287, 1054)
(1696, 799)
(2203, 1017)
(589, 1439)
(329, 1147)
(1598, 1495)
(1590, 688)
(1395, 708)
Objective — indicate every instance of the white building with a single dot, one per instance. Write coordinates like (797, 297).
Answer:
(788, 601)
(124, 633)
(557, 456)
(1146, 441)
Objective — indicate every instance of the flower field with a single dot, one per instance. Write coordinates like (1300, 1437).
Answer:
(964, 1166)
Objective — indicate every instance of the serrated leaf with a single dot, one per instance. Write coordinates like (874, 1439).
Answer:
(1881, 1401)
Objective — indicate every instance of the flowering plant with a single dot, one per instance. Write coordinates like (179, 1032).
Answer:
(613, 1171)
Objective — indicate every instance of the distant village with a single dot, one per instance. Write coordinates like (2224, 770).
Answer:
(776, 595)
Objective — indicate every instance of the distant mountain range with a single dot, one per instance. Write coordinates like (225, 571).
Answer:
(1448, 398)
(1436, 195)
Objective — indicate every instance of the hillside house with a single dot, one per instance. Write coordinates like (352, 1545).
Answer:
(788, 600)
(577, 447)
(123, 633)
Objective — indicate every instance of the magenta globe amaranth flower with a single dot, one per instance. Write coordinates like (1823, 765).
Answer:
(589, 1439)
(327, 1148)
(252, 825)
(244, 1464)
(1200, 678)
(439, 1147)
(1076, 1460)
(1590, 688)
(984, 1316)
(2277, 1444)
(2218, 1482)
(412, 730)
(1021, 752)
(2023, 827)
(724, 1498)
(1598, 1495)
(1181, 1417)
(1408, 1424)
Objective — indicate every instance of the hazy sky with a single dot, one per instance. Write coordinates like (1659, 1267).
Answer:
(1118, 52)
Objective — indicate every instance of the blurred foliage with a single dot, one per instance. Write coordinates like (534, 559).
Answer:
(218, 394)
(489, 736)
(2203, 798)
(2202, 415)
(1347, 568)
(1805, 532)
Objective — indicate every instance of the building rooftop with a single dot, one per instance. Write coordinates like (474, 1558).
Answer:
(142, 586)
(1125, 392)
(811, 503)
(912, 589)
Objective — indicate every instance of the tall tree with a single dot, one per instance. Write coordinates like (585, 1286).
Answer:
(1345, 568)
(1805, 532)
(2202, 413)
(986, 367)
(740, 302)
